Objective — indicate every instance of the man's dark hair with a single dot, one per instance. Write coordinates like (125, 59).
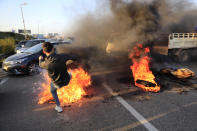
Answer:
(47, 47)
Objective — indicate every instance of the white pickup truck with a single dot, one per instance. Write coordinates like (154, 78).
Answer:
(181, 46)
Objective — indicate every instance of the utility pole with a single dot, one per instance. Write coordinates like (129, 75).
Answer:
(38, 28)
(23, 19)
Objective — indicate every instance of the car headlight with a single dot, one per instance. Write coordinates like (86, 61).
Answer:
(18, 51)
(19, 61)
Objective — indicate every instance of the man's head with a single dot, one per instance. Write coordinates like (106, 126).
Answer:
(47, 47)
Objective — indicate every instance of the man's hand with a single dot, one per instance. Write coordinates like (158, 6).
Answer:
(71, 64)
(41, 58)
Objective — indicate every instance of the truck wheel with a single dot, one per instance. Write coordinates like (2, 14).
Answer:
(183, 56)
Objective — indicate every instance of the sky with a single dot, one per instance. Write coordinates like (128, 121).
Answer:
(44, 16)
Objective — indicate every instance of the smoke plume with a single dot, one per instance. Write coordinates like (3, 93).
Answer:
(127, 22)
(134, 21)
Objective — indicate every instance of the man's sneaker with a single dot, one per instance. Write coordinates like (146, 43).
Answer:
(58, 109)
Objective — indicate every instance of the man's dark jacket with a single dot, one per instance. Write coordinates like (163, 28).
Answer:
(55, 64)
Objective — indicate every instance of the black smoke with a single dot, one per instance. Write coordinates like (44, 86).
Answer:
(127, 22)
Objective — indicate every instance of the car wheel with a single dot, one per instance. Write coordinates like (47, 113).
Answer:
(33, 68)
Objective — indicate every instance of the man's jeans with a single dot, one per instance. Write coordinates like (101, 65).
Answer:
(54, 91)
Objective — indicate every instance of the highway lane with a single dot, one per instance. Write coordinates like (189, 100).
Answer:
(19, 109)
(173, 109)
(167, 110)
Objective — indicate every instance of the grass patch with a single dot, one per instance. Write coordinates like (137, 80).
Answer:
(7, 45)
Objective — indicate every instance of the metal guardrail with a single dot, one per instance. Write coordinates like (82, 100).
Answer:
(2, 74)
(3, 56)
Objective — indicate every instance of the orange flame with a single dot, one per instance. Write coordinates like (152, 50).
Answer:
(140, 68)
(70, 93)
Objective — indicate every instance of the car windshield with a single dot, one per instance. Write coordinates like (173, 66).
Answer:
(32, 43)
(34, 49)
(21, 43)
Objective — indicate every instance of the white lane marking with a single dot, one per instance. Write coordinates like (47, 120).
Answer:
(3, 81)
(133, 112)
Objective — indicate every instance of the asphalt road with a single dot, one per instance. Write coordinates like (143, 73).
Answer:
(114, 104)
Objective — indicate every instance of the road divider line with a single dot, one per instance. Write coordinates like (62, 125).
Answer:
(2, 75)
(132, 111)
(3, 81)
